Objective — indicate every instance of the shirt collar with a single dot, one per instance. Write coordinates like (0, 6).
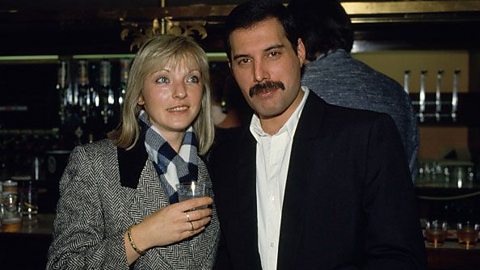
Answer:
(290, 126)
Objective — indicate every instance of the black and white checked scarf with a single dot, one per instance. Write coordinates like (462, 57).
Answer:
(174, 167)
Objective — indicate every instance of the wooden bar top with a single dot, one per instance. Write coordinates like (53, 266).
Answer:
(452, 256)
(40, 224)
(449, 256)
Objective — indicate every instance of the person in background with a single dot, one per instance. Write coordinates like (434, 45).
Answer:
(334, 75)
(118, 204)
(306, 185)
(225, 116)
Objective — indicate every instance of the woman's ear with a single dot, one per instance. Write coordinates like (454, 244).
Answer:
(140, 101)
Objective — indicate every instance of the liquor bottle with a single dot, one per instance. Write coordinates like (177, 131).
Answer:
(422, 94)
(86, 96)
(63, 88)
(83, 94)
(455, 88)
(124, 71)
(406, 81)
(68, 107)
(438, 98)
(107, 98)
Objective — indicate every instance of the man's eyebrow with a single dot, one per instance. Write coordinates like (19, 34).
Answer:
(277, 46)
(235, 57)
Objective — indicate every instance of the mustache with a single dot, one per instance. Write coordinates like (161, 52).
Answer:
(263, 87)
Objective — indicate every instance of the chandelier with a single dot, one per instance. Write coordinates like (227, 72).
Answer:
(141, 30)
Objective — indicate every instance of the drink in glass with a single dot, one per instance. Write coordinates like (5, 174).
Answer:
(467, 234)
(436, 232)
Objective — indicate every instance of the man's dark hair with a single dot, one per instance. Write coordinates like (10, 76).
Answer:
(249, 13)
(323, 25)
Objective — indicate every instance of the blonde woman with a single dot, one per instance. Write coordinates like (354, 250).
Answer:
(118, 204)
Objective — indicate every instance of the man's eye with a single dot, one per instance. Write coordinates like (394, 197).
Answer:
(193, 79)
(243, 61)
(274, 53)
(162, 80)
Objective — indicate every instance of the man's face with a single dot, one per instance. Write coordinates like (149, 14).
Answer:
(267, 69)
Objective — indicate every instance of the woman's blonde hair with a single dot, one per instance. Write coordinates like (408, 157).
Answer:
(156, 52)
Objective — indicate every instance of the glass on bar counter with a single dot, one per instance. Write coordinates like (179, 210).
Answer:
(467, 234)
(11, 219)
(436, 232)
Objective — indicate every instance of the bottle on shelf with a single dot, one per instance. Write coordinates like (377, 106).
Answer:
(455, 88)
(124, 72)
(86, 107)
(438, 98)
(422, 95)
(107, 98)
(406, 81)
(63, 90)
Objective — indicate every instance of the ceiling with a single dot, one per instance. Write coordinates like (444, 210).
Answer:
(94, 26)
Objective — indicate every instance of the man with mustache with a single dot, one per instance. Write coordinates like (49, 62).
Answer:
(265, 87)
(307, 185)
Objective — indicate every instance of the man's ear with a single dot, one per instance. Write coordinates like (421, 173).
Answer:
(301, 51)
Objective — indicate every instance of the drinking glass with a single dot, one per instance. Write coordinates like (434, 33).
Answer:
(436, 232)
(467, 234)
(191, 190)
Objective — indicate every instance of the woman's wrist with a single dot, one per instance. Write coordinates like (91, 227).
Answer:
(134, 244)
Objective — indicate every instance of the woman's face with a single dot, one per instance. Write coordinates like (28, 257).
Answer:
(172, 97)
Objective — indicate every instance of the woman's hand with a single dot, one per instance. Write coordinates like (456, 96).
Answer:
(173, 223)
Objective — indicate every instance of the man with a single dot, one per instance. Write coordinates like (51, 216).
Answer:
(339, 79)
(308, 185)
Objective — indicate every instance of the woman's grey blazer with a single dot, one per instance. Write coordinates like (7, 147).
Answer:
(100, 199)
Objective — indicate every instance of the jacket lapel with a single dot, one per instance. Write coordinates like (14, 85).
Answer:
(244, 219)
(138, 173)
(131, 162)
(298, 180)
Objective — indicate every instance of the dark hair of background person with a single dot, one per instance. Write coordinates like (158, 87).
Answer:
(323, 25)
(248, 14)
(226, 92)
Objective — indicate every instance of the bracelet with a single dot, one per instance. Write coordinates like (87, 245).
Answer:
(130, 240)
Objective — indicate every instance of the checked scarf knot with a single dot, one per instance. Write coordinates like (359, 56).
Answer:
(172, 167)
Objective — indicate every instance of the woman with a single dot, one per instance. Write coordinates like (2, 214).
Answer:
(118, 206)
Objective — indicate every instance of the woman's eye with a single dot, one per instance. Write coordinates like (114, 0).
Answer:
(193, 79)
(162, 80)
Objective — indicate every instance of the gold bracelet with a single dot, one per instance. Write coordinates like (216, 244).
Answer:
(130, 240)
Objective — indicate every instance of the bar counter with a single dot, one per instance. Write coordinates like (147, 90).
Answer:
(451, 256)
(27, 249)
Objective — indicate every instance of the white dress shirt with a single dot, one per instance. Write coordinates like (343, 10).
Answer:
(272, 160)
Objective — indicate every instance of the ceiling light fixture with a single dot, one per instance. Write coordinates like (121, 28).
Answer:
(139, 32)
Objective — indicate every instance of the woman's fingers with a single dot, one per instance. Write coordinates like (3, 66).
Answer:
(197, 214)
(195, 203)
(195, 227)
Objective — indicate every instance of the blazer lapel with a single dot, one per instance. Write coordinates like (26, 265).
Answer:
(245, 237)
(298, 180)
(138, 173)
